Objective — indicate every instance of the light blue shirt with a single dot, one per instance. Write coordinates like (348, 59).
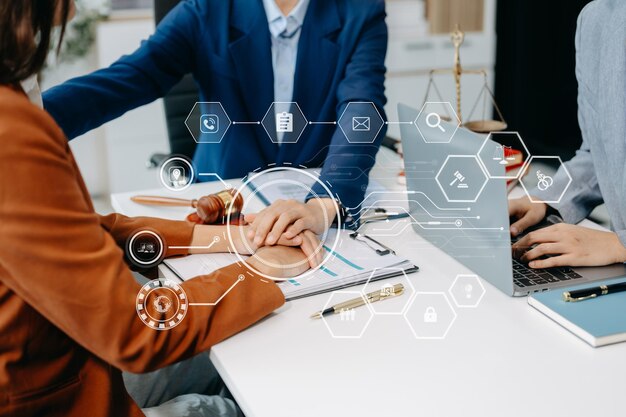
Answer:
(597, 171)
(285, 31)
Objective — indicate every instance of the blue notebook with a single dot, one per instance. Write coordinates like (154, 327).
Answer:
(598, 321)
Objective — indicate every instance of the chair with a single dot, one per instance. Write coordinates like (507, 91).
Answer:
(178, 103)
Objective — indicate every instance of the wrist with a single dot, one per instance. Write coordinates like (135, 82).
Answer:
(207, 239)
(620, 249)
(243, 245)
(328, 210)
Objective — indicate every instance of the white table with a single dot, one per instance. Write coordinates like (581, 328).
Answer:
(501, 358)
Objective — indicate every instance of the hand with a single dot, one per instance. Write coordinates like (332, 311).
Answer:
(527, 214)
(211, 239)
(279, 261)
(572, 245)
(307, 241)
(245, 246)
(289, 218)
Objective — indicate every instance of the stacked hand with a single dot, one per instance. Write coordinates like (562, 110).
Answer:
(282, 238)
(566, 244)
(288, 218)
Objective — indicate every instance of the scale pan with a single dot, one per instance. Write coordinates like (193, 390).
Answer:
(486, 126)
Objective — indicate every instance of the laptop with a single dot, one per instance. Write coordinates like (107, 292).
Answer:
(456, 206)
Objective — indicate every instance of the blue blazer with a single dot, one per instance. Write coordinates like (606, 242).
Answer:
(226, 45)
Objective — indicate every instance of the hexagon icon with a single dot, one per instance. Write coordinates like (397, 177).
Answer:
(543, 182)
(500, 155)
(284, 122)
(461, 178)
(430, 315)
(437, 122)
(467, 291)
(361, 122)
(395, 303)
(349, 323)
(208, 122)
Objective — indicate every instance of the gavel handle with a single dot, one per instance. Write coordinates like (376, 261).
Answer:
(163, 201)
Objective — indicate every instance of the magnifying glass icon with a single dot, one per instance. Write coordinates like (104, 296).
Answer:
(437, 122)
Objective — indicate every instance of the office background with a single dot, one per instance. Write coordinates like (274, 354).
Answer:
(527, 49)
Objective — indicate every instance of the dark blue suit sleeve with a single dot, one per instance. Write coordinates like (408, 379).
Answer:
(347, 165)
(84, 103)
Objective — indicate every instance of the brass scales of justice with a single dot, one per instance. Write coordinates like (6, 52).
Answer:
(482, 125)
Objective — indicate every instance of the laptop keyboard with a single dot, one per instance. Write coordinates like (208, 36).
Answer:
(524, 276)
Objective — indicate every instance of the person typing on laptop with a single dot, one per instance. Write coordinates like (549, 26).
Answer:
(597, 169)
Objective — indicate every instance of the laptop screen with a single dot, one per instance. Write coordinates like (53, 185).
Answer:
(454, 203)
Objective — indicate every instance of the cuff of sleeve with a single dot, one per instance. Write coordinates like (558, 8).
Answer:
(237, 306)
(263, 289)
(570, 212)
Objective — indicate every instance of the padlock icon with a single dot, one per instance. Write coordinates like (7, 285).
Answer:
(430, 316)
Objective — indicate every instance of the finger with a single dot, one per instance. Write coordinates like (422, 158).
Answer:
(547, 235)
(543, 250)
(295, 229)
(320, 252)
(283, 221)
(316, 257)
(296, 241)
(264, 223)
(516, 207)
(553, 262)
(251, 219)
(525, 220)
(309, 251)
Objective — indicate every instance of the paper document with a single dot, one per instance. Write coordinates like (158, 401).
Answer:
(352, 262)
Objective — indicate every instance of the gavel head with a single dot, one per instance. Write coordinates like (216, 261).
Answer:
(217, 207)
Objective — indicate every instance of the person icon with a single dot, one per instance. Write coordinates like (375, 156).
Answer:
(177, 177)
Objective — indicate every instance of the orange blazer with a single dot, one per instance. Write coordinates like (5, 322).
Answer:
(68, 324)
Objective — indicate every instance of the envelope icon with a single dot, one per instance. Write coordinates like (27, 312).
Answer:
(361, 124)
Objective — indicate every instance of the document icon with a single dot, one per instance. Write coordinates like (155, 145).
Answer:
(361, 124)
(284, 122)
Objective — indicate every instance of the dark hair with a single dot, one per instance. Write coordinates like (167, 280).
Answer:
(25, 35)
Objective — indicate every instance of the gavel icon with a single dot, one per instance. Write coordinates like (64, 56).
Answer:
(457, 177)
(210, 209)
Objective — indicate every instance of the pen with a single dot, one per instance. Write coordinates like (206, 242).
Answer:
(593, 292)
(386, 292)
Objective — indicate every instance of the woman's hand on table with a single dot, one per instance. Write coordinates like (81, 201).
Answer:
(279, 261)
(212, 239)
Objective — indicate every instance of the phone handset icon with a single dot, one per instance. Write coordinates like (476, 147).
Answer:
(209, 123)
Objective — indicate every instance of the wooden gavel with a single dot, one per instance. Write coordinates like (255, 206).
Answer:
(209, 209)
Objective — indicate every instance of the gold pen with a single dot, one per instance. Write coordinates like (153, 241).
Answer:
(387, 291)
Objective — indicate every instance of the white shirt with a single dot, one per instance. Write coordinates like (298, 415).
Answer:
(285, 31)
(31, 87)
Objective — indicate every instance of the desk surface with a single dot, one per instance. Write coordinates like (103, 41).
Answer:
(502, 356)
